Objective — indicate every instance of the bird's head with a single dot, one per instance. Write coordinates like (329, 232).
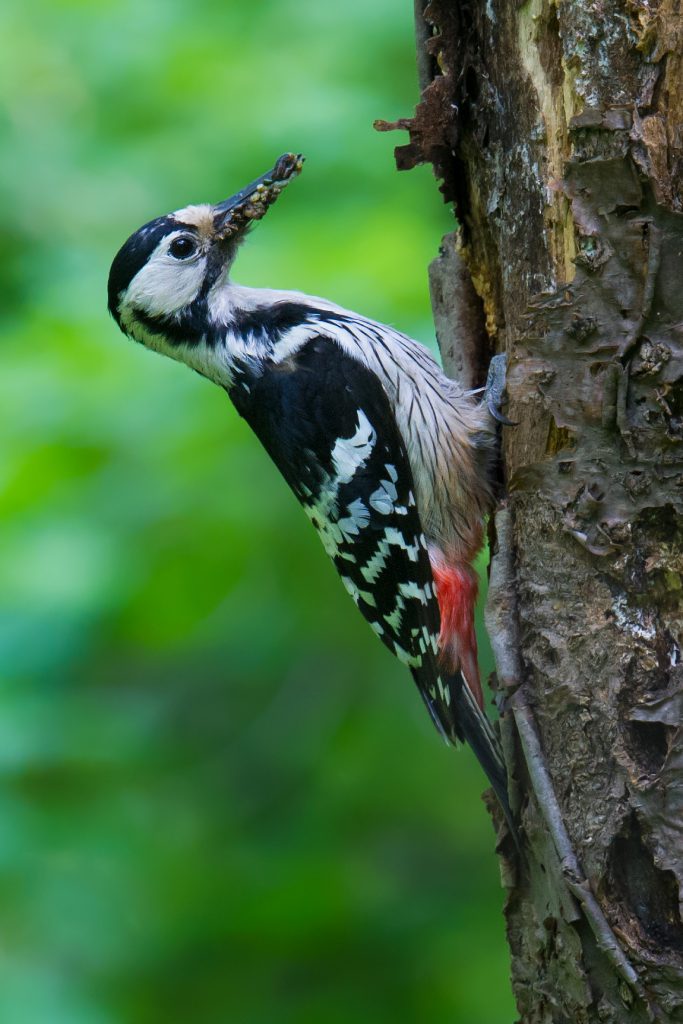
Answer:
(163, 278)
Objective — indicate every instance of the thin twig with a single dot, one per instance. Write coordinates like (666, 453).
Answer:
(502, 622)
(573, 876)
(500, 613)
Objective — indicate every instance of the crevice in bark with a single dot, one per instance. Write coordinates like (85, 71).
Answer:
(644, 897)
(647, 744)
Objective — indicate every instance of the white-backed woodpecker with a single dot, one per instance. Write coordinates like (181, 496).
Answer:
(390, 459)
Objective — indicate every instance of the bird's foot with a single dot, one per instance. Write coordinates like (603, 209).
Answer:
(495, 388)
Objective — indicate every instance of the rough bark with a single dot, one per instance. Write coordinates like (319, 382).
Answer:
(557, 131)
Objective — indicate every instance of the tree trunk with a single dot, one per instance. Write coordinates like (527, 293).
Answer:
(557, 130)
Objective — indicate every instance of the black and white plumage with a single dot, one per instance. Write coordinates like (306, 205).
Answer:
(388, 457)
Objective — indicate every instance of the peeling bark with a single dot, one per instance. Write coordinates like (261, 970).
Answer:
(557, 132)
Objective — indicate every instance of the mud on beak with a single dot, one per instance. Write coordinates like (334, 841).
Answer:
(233, 216)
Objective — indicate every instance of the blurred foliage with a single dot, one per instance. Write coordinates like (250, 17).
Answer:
(220, 798)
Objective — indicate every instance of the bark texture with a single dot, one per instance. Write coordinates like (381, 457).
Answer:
(557, 131)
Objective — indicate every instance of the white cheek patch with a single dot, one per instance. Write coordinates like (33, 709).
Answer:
(165, 285)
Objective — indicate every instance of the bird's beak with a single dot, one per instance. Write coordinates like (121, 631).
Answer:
(233, 217)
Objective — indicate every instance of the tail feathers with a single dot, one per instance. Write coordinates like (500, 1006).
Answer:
(458, 717)
(474, 727)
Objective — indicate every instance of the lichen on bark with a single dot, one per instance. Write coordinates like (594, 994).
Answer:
(555, 129)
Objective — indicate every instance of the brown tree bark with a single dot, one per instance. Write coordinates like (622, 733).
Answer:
(557, 131)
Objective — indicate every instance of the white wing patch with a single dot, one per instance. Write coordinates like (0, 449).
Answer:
(383, 500)
(412, 660)
(349, 454)
(356, 593)
(394, 536)
(371, 570)
(412, 590)
(357, 518)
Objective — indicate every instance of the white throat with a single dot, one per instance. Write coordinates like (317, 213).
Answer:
(226, 344)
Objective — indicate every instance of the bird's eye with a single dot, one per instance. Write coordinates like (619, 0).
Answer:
(182, 248)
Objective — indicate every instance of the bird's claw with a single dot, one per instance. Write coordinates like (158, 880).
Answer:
(495, 388)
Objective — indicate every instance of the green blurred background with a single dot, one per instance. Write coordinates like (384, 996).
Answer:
(221, 800)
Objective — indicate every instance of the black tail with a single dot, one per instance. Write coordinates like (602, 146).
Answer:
(457, 716)
(473, 726)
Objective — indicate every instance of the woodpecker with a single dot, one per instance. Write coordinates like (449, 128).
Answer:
(390, 459)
